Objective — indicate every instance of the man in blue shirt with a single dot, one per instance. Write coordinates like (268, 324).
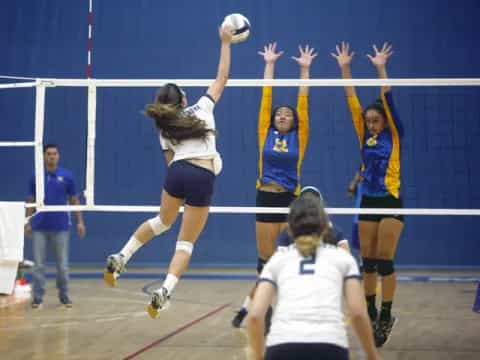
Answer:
(53, 227)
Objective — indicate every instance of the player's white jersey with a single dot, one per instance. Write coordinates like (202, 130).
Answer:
(309, 295)
(197, 148)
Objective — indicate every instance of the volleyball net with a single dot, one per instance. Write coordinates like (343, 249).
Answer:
(43, 85)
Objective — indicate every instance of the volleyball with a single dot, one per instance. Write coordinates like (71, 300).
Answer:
(240, 25)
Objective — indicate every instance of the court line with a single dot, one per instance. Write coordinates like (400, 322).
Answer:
(175, 332)
(222, 276)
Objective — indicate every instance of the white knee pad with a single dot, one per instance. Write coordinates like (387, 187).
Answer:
(186, 246)
(157, 225)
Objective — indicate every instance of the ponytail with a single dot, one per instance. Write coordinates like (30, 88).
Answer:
(307, 244)
(308, 223)
(174, 124)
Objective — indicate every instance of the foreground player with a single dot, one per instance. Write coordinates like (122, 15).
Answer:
(187, 136)
(310, 279)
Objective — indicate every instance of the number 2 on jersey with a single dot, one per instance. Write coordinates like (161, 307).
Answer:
(307, 266)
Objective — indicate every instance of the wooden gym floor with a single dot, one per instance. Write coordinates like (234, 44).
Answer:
(436, 320)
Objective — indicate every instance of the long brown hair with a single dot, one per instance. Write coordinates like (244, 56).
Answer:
(308, 224)
(170, 119)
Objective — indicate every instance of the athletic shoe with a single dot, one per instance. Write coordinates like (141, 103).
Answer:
(65, 301)
(158, 303)
(384, 330)
(26, 264)
(37, 303)
(237, 320)
(115, 265)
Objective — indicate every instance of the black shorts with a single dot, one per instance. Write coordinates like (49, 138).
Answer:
(272, 199)
(380, 202)
(306, 351)
(190, 182)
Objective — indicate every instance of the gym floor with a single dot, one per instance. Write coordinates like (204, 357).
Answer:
(434, 309)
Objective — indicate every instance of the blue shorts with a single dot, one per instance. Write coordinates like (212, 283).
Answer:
(190, 182)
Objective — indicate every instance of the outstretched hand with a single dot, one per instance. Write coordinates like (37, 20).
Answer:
(269, 53)
(381, 57)
(306, 56)
(343, 55)
(225, 33)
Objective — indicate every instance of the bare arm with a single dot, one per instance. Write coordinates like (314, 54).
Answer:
(344, 59)
(379, 60)
(352, 186)
(304, 61)
(256, 319)
(29, 212)
(74, 200)
(216, 89)
(168, 155)
(359, 317)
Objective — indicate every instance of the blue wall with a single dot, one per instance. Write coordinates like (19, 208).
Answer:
(154, 39)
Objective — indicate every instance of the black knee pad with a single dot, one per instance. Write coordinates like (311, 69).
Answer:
(260, 264)
(369, 265)
(385, 267)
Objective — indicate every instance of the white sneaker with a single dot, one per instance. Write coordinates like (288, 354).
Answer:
(115, 265)
(159, 302)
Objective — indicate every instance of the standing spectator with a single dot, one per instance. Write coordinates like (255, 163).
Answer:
(53, 228)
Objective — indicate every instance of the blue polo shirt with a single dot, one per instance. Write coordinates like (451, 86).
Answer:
(59, 186)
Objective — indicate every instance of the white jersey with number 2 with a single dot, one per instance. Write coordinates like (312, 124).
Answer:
(309, 295)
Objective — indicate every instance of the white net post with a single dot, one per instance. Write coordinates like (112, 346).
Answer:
(39, 122)
(13, 86)
(91, 134)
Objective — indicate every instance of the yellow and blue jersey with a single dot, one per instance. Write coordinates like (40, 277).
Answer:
(281, 155)
(380, 153)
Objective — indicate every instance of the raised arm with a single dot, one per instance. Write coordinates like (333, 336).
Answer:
(270, 56)
(379, 60)
(216, 89)
(344, 59)
(304, 61)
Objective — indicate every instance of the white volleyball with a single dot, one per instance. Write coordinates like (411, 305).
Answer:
(240, 26)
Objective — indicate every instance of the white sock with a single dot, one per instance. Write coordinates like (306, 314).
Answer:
(246, 303)
(131, 248)
(170, 283)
